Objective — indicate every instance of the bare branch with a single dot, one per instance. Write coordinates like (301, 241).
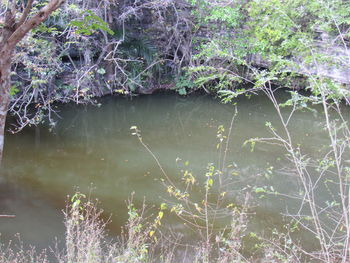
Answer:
(25, 13)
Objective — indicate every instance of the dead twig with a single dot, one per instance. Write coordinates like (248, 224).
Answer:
(7, 216)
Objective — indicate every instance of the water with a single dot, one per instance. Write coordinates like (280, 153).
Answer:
(92, 148)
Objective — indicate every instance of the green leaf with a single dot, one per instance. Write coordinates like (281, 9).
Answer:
(101, 71)
(14, 90)
(260, 190)
(182, 91)
(90, 24)
(163, 206)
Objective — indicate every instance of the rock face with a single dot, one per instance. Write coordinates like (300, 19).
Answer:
(337, 69)
(340, 70)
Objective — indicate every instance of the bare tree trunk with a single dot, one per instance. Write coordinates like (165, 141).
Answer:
(5, 85)
(5, 73)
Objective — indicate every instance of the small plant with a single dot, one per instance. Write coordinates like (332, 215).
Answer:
(184, 84)
(201, 202)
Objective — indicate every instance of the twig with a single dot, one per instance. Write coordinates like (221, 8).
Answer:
(7, 216)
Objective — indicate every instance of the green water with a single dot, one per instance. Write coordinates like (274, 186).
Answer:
(92, 148)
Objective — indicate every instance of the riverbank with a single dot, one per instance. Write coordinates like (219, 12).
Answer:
(90, 50)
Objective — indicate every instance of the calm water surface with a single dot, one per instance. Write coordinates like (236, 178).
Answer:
(92, 147)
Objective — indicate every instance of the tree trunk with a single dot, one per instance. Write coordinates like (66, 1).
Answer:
(5, 73)
(5, 85)
(12, 32)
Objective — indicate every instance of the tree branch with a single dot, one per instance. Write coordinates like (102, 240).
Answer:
(8, 27)
(25, 13)
(34, 21)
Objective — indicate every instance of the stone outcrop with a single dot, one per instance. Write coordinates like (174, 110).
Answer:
(336, 66)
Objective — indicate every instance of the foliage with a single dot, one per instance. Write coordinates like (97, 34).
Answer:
(289, 38)
(184, 84)
(140, 56)
(90, 24)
